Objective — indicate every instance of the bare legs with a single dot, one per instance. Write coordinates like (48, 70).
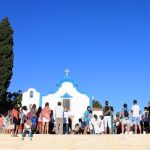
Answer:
(136, 129)
(45, 128)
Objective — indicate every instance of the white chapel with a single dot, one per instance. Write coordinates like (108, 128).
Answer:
(67, 93)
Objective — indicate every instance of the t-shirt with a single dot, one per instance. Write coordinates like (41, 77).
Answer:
(15, 113)
(33, 121)
(66, 116)
(136, 110)
(40, 117)
(145, 115)
(125, 112)
(27, 126)
(46, 112)
(87, 116)
(106, 110)
(59, 111)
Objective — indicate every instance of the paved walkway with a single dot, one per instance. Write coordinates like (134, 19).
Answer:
(76, 142)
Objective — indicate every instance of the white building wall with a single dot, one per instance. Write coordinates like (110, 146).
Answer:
(27, 100)
(78, 101)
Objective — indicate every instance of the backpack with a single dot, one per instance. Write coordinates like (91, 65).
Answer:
(107, 111)
(126, 113)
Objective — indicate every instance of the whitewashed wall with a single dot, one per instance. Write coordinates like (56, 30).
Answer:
(27, 100)
(78, 102)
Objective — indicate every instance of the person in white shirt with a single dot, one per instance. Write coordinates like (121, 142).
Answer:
(66, 122)
(59, 112)
(102, 124)
(136, 115)
(95, 121)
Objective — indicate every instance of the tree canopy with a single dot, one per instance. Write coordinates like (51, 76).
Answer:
(96, 104)
(6, 57)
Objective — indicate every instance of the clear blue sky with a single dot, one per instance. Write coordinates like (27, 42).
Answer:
(105, 44)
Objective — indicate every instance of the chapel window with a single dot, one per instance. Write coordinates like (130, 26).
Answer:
(31, 94)
(66, 103)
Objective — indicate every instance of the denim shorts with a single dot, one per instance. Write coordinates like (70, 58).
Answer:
(125, 120)
(136, 120)
(86, 123)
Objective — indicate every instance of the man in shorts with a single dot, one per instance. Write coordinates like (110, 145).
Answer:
(136, 116)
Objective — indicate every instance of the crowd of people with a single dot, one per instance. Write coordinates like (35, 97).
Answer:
(20, 120)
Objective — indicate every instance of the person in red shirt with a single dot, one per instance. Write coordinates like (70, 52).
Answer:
(15, 114)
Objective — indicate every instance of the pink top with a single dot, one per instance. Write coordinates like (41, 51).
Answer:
(46, 112)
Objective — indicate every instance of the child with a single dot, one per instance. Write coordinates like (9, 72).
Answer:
(39, 126)
(76, 129)
(117, 123)
(81, 126)
(27, 127)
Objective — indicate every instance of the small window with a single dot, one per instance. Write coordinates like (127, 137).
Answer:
(31, 94)
(66, 103)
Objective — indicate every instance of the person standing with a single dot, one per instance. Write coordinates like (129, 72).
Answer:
(46, 118)
(66, 122)
(39, 120)
(136, 115)
(107, 113)
(87, 118)
(59, 112)
(33, 118)
(145, 120)
(51, 123)
(15, 115)
(125, 119)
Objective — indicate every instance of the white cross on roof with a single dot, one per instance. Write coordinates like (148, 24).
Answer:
(67, 71)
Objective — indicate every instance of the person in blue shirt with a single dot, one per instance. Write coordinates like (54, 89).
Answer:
(87, 117)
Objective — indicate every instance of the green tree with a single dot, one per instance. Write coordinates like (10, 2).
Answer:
(6, 58)
(96, 104)
(14, 98)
